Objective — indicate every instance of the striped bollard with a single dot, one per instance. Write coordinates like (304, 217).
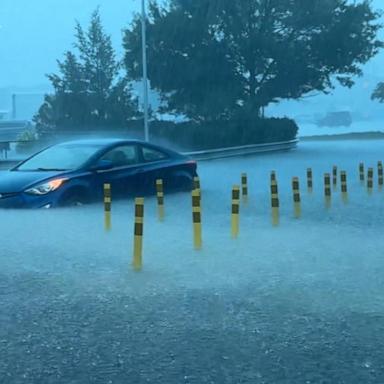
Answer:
(370, 180)
(196, 185)
(334, 177)
(309, 180)
(380, 174)
(344, 188)
(107, 206)
(244, 187)
(296, 197)
(235, 211)
(138, 234)
(273, 176)
(327, 190)
(196, 219)
(361, 173)
(160, 199)
(275, 202)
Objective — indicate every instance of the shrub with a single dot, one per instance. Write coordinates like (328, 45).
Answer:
(27, 141)
(193, 136)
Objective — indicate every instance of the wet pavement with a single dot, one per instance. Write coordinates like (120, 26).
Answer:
(301, 303)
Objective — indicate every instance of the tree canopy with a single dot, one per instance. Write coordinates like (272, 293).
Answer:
(89, 91)
(213, 59)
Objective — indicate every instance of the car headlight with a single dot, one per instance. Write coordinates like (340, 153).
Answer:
(43, 189)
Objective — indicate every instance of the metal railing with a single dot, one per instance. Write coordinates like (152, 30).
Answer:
(244, 150)
(7, 147)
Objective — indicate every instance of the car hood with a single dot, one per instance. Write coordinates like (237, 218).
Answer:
(18, 181)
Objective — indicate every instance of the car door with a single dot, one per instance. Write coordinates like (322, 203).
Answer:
(124, 174)
(153, 166)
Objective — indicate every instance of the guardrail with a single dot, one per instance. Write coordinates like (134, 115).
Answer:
(221, 153)
(6, 148)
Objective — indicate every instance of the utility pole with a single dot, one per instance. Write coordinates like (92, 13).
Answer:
(145, 75)
(13, 106)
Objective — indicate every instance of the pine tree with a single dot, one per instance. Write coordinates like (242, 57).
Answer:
(89, 91)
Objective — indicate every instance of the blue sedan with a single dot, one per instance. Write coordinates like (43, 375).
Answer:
(74, 173)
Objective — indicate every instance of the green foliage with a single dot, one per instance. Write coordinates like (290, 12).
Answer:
(27, 141)
(378, 93)
(213, 59)
(89, 92)
(221, 134)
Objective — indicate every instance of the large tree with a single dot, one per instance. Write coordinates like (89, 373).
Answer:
(89, 91)
(210, 59)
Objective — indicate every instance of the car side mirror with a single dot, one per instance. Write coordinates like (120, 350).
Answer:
(102, 165)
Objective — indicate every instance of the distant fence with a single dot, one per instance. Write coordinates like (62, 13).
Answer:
(10, 129)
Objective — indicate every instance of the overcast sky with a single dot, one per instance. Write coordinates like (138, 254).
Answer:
(35, 33)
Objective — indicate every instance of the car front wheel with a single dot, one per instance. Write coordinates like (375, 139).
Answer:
(73, 199)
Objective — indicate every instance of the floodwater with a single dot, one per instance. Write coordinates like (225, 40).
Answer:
(300, 303)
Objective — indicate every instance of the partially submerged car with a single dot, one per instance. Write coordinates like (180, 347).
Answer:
(73, 173)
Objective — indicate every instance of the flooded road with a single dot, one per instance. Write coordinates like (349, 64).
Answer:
(301, 303)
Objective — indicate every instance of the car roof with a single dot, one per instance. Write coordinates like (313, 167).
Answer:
(110, 142)
(100, 141)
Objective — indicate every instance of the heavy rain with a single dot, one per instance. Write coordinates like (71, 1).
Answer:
(202, 287)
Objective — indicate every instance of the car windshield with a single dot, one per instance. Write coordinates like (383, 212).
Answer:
(59, 158)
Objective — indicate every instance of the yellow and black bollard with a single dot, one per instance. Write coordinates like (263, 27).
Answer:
(334, 177)
(370, 180)
(196, 219)
(244, 187)
(138, 234)
(160, 199)
(235, 211)
(309, 180)
(273, 176)
(296, 197)
(327, 189)
(361, 173)
(380, 174)
(107, 207)
(275, 202)
(344, 188)
(196, 185)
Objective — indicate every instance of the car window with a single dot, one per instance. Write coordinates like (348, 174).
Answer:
(60, 157)
(122, 155)
(150, 154)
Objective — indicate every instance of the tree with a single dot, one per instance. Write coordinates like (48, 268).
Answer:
(213, 59)
(378, 93)
(89, 91)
